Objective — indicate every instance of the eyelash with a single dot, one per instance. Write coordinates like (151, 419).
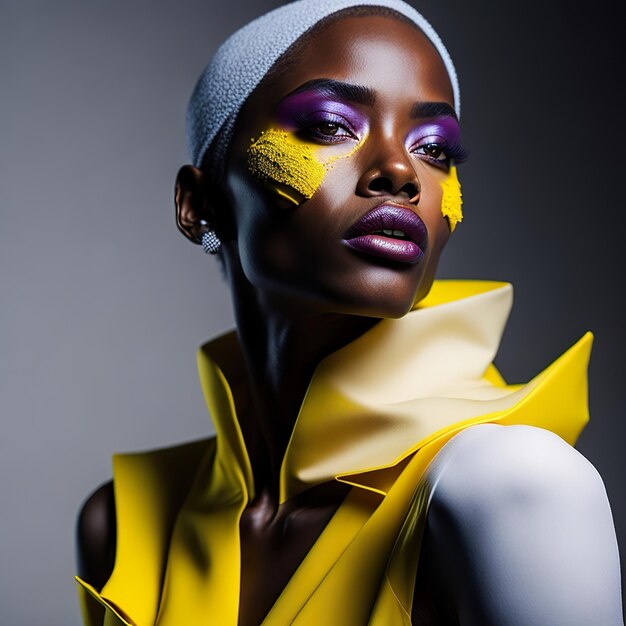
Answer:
(453, 152)
(307, 124)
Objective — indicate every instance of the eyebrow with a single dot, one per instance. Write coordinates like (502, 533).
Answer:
(432, 109)
(360, 94)
(335, 88)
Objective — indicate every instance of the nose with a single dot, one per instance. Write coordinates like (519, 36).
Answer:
(391, 172)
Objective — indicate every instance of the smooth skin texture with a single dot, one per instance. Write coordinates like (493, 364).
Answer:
(300, 293)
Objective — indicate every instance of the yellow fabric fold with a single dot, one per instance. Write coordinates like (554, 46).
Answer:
(96, 610)
(149, 491)
(381, 397)
(374, 416)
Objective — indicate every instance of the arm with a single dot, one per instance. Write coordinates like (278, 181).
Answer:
(96, 536)
(522, 531)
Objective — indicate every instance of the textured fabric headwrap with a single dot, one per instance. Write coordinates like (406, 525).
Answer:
(242, 61)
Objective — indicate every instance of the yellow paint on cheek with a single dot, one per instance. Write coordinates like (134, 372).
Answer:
(289, 166)
(451, 199)
(278, 157)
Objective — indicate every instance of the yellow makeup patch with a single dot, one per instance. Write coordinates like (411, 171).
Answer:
(452, 200)
(278, 157)
(287, 164)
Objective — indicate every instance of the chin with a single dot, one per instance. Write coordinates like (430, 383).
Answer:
(393, 296)
(424, 288)
(390, 300)
(394, 310)
(389, 308)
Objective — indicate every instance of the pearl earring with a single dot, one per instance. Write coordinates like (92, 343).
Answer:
(211, 242)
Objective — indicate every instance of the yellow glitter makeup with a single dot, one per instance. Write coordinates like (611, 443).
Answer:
(451, 200)
(278, 157)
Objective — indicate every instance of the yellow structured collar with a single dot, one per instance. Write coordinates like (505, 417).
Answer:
(376, 401)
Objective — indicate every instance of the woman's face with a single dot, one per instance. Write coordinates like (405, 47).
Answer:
(354, 126)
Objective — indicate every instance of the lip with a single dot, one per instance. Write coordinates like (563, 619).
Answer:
(363, 235)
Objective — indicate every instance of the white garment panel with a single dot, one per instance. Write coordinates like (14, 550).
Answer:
(522, 530)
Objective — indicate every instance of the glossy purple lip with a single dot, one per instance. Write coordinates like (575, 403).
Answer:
(391, 232)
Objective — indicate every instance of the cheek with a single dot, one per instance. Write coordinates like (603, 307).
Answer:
(290, 168)
(286, 165)
(451, 200)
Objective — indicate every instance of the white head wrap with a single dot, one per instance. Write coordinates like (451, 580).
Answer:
(242, 61)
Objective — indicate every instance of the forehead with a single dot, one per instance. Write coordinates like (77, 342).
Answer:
(393, 58)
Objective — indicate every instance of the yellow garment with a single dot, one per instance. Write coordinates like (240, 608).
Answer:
(375, 414)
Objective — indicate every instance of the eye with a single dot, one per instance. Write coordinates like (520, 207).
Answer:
(433, 151)
(438, 149)
(327, 127)
(329, 131)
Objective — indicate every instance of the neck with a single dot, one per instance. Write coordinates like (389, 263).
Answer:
(282, 341)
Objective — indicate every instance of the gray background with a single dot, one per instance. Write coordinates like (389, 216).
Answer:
(103, 303)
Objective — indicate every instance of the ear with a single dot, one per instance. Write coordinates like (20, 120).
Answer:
(193, 214)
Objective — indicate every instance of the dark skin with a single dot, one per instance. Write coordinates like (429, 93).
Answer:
(299, 294)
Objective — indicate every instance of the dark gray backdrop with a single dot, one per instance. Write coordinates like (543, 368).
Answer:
(103, 303)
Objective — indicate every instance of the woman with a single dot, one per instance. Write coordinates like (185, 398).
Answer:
(370, 464)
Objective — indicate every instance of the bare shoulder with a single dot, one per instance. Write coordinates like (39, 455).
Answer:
(96, 536)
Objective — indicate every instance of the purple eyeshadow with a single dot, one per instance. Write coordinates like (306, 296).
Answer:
(314, 105)
(306, 109)
(444, 128)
